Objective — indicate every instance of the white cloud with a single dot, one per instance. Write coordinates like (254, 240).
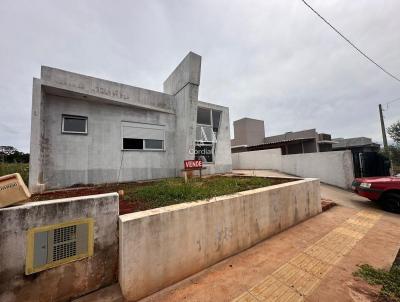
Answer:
(272, 60)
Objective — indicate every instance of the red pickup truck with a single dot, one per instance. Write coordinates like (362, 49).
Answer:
(385, 189)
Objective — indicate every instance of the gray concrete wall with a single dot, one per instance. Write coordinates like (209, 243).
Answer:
(263, 159)
(184, 83)
(334, 168)
(163, 246)
(98, 157)
(67, 281)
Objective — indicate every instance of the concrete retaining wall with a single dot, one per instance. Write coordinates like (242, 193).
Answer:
(67, 281)
(263, 159)
(162, 246)
(334, 168)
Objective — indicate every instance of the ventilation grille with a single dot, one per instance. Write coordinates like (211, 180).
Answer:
(55, 245)
(65, 234)
(64, 242)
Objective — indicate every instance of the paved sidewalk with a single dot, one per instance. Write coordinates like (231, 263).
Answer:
(312, 261)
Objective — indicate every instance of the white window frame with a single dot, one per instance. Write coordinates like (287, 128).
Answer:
(77, 117)
(143, 126)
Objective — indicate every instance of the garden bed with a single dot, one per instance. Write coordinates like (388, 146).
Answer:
(140, 196)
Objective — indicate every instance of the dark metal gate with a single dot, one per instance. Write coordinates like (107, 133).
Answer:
(368, 164)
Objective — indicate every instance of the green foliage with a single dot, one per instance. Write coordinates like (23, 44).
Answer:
(394, 132)
(21, 168)
(393, 152)
(389, 279)
(172, 191)
(9, 154)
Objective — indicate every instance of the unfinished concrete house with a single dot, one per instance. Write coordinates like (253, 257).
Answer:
(86, 130)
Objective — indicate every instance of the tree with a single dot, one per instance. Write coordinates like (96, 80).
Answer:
(394, 132)
(9, 154)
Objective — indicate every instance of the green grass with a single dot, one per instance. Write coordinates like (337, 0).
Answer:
(23, 169)
(174, 190)
(390, 280)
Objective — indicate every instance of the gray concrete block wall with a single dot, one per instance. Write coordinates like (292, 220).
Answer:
(162, 246)
(67, 281)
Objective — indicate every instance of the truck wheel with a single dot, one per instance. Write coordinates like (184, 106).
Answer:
(391, 202)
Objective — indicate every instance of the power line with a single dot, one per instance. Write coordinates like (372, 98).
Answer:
(352, 44)
(392, 101)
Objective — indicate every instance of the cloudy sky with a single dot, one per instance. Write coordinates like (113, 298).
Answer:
(272, 60)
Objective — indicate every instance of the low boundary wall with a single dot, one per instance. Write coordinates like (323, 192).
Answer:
(334, 168)
(67, 281)
(160, 247)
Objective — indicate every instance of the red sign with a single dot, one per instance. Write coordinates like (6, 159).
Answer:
(193, 164)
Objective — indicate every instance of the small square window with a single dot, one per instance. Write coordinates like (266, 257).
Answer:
(204, 152)
(74, 124)
(203, 116)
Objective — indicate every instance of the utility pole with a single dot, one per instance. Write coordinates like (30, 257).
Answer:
(385, 144)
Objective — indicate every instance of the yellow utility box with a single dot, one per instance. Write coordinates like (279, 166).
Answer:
(12, 189)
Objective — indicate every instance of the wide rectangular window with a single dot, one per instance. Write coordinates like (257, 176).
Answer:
(74, 124)
(137, 136)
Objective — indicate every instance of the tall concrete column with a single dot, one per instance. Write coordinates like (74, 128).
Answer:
(184, 83)
(37, 133)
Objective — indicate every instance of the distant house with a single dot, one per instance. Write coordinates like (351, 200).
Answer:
(355, 144)
(250, 136)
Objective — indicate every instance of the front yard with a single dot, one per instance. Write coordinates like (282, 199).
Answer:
(139, 196)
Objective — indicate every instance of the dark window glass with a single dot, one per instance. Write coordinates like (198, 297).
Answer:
(204, 152)
(153, 144)
(132, 144)
(74, 124)
(216, 117)
(203, 116)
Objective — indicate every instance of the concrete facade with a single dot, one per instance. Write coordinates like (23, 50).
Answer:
(74, 279)
(60, 159)
(334, 168)
(162, 246)
(248, 132)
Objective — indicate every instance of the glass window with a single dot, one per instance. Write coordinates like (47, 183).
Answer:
(74, 124)
(216, 117)
(153, 144)
(204, 134)
(132, 144)
(203, 116)
(140, 136)
(204, 152)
